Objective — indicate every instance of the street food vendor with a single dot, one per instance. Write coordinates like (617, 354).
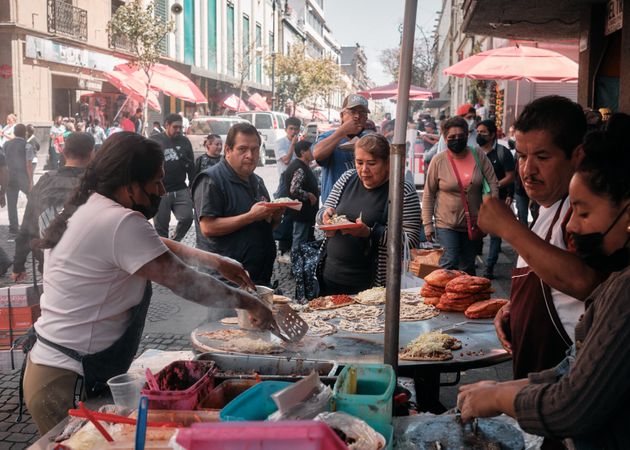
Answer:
(101, 255)
(585, 398)
(356, 258)
(537, 324)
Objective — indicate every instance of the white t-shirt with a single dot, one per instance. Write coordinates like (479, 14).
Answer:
(569, 308)
(89, 286)
(282, 148)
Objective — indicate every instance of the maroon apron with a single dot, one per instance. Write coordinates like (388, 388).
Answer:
(539, 341)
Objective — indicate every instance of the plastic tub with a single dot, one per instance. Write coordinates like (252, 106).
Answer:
(372, 402)
(253, 404)
(125, 389)
(225, 392)
(289, 435)
(183, 384)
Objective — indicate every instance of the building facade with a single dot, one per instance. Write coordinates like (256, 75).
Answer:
(354, 64)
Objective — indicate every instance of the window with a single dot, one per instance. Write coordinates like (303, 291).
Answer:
(258, 55)
(280, 118)
(230, 38)
(189, 32)
(246, 117)
(314, 22)
(263, 121)
(212, 34)
(247, 50)
(161, 12)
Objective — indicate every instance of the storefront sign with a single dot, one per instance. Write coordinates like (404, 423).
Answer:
(5, 71)
(47, 50)
(90, 85)
(614, 18)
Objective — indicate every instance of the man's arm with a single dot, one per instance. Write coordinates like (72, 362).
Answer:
(558, 268)
(221, 226)
(324, 148)
(506, 180)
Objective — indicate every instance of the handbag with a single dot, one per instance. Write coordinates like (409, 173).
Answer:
(474, 232)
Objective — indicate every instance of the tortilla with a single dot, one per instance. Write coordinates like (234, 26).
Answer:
(327, 302)
(486, 309)
(413, 313)
(229, 321)
(431, 346)
(363, 326)
(373, 296)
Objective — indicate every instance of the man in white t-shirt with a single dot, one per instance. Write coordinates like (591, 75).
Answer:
(285, 146)
(537, 326)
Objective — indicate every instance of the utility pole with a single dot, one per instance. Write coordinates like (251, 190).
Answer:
(273, 57)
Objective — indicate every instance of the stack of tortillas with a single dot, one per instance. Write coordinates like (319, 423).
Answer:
(463, 291)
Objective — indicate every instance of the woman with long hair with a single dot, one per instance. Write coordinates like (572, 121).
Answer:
(101, 255)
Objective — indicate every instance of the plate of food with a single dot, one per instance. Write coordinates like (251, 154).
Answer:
(283, 202)
(431, 346)
(339, 222)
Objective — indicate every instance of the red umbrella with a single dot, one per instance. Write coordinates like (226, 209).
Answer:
(133, 88)
(258, 102)
(232, 102)
(168, 80)
(391, 91)
(516, 63)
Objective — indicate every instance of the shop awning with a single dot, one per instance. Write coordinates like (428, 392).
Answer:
(391, 91)
(258, 102)
(167, 80)
(232, 102)
(436, 103)
(133, 88)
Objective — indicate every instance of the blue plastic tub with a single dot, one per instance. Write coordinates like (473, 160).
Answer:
(253, 404)
(372, 401)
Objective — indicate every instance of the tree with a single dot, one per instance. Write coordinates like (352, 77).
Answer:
(422, 64)
(300, 78)
(244, 67)
(139, 27)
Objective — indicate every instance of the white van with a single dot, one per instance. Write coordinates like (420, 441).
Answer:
(271, 125)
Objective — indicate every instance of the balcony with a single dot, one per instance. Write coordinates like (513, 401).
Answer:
(67, 20)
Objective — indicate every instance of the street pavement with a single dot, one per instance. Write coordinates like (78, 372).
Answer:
(171, 319)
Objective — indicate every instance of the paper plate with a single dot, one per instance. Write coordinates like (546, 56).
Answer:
(341, 226)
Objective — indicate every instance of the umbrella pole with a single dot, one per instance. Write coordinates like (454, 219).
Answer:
(396, 189)
(518, 84)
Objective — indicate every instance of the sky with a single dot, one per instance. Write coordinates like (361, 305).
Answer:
(374, 24)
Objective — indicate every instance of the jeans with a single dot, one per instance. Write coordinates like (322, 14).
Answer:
(18, 183)
(493, 252)
(283, 233)
(459, 251)
(302, 233)
(180, 203)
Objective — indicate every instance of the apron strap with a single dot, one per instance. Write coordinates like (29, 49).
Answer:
(555, 219)
(553, 314)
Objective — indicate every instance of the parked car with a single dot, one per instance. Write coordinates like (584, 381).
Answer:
(201, 127)
(271, 125)
(312, 130)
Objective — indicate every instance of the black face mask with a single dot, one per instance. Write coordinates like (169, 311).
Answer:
(511, 144)
(590, 248)
(147, 211)
(482, 140)
(457, 145)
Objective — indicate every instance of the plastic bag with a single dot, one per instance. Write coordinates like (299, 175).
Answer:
(358, 434)
(319, 401)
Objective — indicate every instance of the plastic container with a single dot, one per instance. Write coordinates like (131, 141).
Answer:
(183, 384)
(253, 404)
(224, 393)
(289, 435)
(125, 389)
(372, 401)
(266, 295)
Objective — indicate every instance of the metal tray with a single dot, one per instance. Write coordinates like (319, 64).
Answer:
(268, 367)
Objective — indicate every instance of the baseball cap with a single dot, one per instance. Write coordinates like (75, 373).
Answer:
(354, 100)
(462, 110)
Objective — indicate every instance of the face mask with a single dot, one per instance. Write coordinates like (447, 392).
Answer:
(457, 145)
(471, 124)
(147, 211)
(590, 248)
(482, 140)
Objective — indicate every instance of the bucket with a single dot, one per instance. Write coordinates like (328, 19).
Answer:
(125, 389)
(266, 295)
(253, 404)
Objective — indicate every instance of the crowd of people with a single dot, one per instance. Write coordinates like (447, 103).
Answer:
(564, 326)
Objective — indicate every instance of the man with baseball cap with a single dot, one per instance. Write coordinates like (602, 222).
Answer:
(327, 152)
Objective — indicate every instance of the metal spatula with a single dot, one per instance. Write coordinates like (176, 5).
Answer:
(287, 324)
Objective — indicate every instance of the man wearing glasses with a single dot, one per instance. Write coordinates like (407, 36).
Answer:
(328, 150)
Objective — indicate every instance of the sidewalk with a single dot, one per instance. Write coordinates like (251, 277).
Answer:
(171, 319)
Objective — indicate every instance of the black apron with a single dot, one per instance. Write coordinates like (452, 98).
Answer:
(117, 358)
(539, 340)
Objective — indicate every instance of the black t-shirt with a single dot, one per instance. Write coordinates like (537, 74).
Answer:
(179, 161)
(351, 260)
(219, 192)
(502, 162)
(205, 161)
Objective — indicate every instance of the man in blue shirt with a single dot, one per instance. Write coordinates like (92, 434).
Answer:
(327, 150)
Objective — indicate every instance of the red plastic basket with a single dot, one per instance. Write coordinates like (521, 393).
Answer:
(289, 435)
(183, 385)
